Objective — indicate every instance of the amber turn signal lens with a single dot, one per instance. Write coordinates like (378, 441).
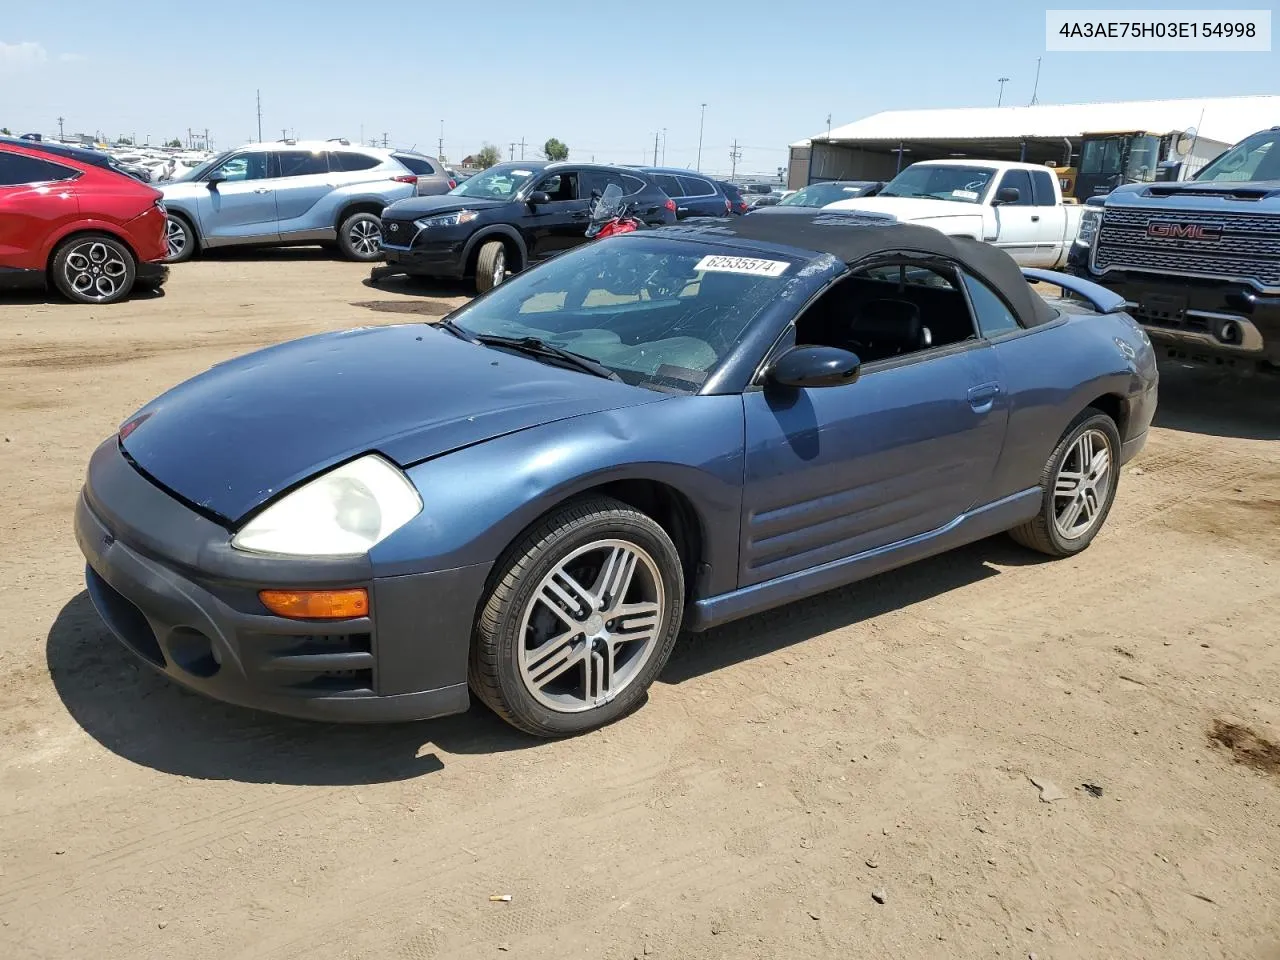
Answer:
(316, 604)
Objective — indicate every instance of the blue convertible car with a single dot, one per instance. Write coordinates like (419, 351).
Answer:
(664, 429)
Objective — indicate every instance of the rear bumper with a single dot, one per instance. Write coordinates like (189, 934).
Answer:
(209, 632)
(152, 274)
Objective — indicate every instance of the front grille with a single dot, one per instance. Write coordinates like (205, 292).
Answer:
(398, 233)
(333, 662)
(1247, 251)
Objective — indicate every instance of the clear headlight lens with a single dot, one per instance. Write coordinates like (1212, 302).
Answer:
(447, 219)
(1090, 220)
(341, 513)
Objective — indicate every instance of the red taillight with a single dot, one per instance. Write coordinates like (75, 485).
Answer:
(670, 205)
(407, 178)
(453, 184)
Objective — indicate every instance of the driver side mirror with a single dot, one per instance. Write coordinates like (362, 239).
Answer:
(212, 182)
(1008, 195)
(814, 366)
(539, 196)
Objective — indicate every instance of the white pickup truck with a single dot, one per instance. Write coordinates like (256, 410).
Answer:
(1015, 206)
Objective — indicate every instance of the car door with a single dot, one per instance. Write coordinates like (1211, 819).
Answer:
(701, 197)
(239, 203)
(561, 223)
(1049, 218)
(36, 197)
(908, 448)
(1019, 232)
(301, 182)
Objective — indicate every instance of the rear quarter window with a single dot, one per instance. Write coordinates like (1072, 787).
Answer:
(669, 185)
(419, 165)
(349, 161)
(17, 170)
(633, 184)
(1042, 184)
(696, 187)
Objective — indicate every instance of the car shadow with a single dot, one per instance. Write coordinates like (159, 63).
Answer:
(1198, 399)
(430, 287)
(145, 718)
(765, 633)
(283, 254)
(36, 296)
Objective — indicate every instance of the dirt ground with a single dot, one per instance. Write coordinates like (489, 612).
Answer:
(878, 741)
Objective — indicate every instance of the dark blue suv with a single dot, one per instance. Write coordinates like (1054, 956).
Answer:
(695, 195)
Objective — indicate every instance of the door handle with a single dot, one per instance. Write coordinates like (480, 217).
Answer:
(261, 190)
(1035, 218)
(983, 396)
(682, 209)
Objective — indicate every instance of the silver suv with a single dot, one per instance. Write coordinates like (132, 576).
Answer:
(295, 192)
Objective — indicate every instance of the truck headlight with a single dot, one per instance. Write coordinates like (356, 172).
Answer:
(455, 219)
(1090, 221)
(344, 512)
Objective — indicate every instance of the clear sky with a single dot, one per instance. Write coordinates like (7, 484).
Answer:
(601, 76)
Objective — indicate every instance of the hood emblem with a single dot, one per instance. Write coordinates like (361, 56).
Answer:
(1173, 230)
(394, 227)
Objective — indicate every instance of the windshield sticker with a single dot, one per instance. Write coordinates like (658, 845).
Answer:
(965, 194)
(522, 173)
(748, 265)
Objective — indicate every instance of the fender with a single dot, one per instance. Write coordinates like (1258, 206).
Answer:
(90, 225)
(484, 234)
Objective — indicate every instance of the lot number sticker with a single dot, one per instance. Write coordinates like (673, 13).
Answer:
(748, 265)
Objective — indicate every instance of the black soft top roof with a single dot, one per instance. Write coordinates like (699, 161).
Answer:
(854, 238)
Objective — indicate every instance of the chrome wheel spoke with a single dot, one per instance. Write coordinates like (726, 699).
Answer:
(1081, 485)
(552, 658)
(77, 261)
(566, 598)
(615, 577)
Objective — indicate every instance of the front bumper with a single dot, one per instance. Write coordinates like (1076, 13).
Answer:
(444, 258)
(164, 581)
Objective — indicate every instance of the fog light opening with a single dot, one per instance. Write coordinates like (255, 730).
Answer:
(191, 651)
(1231, 333)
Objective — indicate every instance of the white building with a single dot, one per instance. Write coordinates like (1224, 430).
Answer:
(876, 147)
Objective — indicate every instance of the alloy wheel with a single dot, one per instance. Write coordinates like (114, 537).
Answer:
(175, 237)
(365, 237)
(1080, 488)
(583, 645)
(499, 267)
(95, 270)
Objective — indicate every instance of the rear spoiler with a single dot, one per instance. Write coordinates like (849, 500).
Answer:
(1099, 297)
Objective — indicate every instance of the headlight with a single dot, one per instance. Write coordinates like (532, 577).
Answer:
(1090, 220)
(447, 219)
(341, 513)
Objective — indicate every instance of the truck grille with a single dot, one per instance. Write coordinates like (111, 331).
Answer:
(1248, 249)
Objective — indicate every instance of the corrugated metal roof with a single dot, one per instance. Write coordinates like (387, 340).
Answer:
(1226, 119)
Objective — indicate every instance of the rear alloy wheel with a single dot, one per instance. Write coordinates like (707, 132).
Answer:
(580, 620)
(360, 237)
(1079, 484)
(180, 240)
(491, 265)
(94, 268)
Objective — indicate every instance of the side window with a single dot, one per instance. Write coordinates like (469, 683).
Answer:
(1042, 183)
(419, 165)
(1020, 181)
(696, 187)
(349, 161)
(597, 180)
(244, 166)
(632, 185)
(301, 163)
(669, 184)
(17, 170)
(560, 186)
(888, 311)
(994, 317)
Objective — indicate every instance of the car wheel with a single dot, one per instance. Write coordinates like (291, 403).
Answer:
(360, 237)
(94, 268)
(491, 265)
(581, 617)
(179, 238)
(1079, 484)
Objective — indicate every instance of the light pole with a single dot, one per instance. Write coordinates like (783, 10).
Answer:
(701, 123)
(664, 146)
(1002, 81)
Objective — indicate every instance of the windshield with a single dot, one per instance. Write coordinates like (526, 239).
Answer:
(499, 182)
(1144, 157)
(820, 194)
(962, 184)
(200, 169)
(1254, 158)
(1100, 157)
(660, 313)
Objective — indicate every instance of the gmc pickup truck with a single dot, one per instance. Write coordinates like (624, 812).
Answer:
(1015, 206)
(1197, 261)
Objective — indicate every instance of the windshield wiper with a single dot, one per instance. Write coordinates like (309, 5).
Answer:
(540, 348)
(447, 324)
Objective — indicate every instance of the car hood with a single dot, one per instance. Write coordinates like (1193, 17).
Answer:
(414, 207)
(908, 208)
(232, 438)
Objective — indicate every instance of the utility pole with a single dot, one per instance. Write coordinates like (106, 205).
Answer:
(664, 146)
(701, 123)
(206, 138)
(440, 144)
(828, 126)
(734, 155)
(284, 134)
(384, 140)
(522, 148)
(1002, 81)
(259, 116)
(655, 148)
(1037, 83)
(60, 134)
(191, 143)
(511, 154)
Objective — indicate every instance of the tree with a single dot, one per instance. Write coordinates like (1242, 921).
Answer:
(6, 131)
(555, 150)
(125, 141)
(487, 156)
(175, 142)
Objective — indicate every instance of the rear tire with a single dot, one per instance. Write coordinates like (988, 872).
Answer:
(1079, 485)
(360, 237)
(94, 268)
(491, 266)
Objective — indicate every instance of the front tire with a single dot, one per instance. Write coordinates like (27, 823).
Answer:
(581, 617)
(360, 237)
(491, 266)
(180, 239)
(94, 268)
(1079, 484)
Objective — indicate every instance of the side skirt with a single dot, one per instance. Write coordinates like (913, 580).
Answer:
(977, 524)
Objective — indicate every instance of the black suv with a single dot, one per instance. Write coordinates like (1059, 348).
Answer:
(694, 194)
(506, 218)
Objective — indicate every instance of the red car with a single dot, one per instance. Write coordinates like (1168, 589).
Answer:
(70, 217)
